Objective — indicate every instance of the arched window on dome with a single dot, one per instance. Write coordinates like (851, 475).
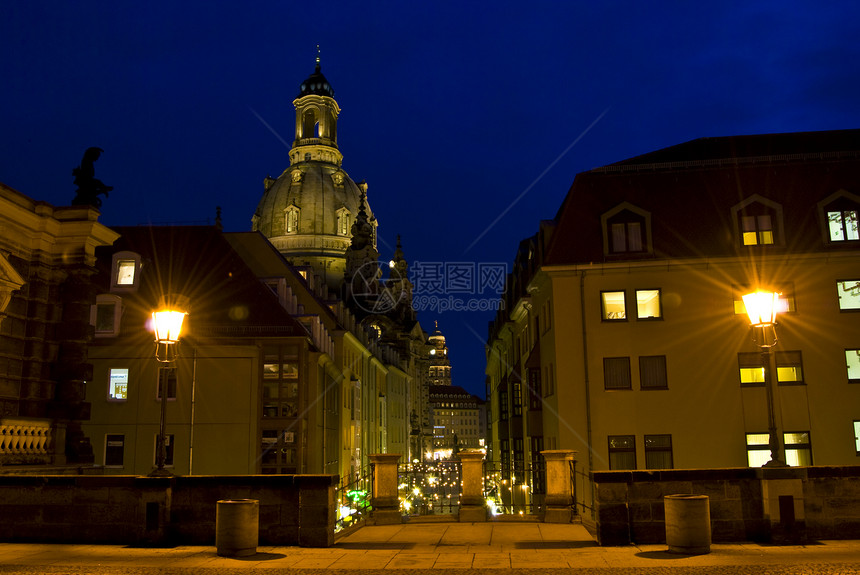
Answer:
(291, 220)
(344, 222)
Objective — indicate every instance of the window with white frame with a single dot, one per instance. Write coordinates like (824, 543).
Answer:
(648, 304)
(613, 305)
(798, 448)
(842, 225)
(857, 436)
(125, 271)
(105, 315)
(852, 362)
(114, 449)
(848, 292)
(118, 384)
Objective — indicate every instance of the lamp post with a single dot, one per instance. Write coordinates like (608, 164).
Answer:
(167, 324)
(762, 307)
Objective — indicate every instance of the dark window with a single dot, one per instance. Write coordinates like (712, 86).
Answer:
(658, 452)
(616, 373)
(652, 372)
(114, 449)
(622, 452)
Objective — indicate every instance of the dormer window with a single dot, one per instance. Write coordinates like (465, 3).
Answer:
(626, 230)
(125, 271)
(839, 213)
(291, 224)
(758, 222)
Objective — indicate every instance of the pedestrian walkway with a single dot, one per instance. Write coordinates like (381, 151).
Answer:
(416, 548)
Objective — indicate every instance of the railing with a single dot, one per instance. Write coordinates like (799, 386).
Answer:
(429, 488)
(578, 480)
(517, 489)
(353, 499)
(23, 441)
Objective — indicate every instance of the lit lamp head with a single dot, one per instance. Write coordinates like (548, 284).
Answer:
(761, 308)
(167, 325)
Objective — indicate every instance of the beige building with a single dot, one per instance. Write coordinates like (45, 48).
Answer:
(624, 337)
(47, 257)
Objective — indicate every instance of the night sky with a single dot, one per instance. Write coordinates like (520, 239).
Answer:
(468, 120)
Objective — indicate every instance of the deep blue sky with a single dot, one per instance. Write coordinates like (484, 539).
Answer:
(450, 110)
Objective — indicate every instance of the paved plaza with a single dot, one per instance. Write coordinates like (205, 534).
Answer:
(416, 548)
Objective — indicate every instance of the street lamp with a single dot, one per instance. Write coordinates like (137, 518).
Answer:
(762, 307)
(167, 325)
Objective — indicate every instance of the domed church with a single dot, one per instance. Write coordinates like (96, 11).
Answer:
(308, 212)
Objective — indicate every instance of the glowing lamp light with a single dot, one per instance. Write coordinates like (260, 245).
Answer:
(167, 325)
(762, 307)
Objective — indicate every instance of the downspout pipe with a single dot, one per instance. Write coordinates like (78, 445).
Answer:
(586, 383)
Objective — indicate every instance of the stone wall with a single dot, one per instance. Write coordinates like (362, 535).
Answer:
(294, 509)
(793, 504)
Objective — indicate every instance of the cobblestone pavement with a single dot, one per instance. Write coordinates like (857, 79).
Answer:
(455, 548)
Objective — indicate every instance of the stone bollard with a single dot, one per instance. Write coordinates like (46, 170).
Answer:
(472, 508)
(386, 505)
(237, 527)
(688, 524)
(559, 500)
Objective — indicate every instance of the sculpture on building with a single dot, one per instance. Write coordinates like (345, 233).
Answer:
(89, 187)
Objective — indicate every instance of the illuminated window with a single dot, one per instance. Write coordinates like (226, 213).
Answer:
(114, 449)
(105, 315)
(757, 230)
(168, 450)
(842, 226)
(166, 380)
(848, 293)
(652, 372)
(758, 449)
(612, 305)
(852, 362)
(658, 452)
(118, 384)
(291, 224)
(751, 370)
(789, 368)
(798, 448)
(622, 452)
(343, 222)
(786, 299)
(125, 271)
(616, 373)
(857, 436)
(648, 304)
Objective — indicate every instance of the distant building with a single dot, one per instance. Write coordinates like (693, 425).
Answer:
(623, 335)
(458, 421)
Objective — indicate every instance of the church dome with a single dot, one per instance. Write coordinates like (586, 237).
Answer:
(324, 197)
(316, 84)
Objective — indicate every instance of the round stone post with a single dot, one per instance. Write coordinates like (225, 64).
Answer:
(559, 500)
(386, 505)
(472, 507)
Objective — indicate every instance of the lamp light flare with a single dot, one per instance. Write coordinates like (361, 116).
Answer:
(167, 325)
(762, 307)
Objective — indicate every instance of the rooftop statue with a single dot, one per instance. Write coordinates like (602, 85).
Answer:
(89, 187)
